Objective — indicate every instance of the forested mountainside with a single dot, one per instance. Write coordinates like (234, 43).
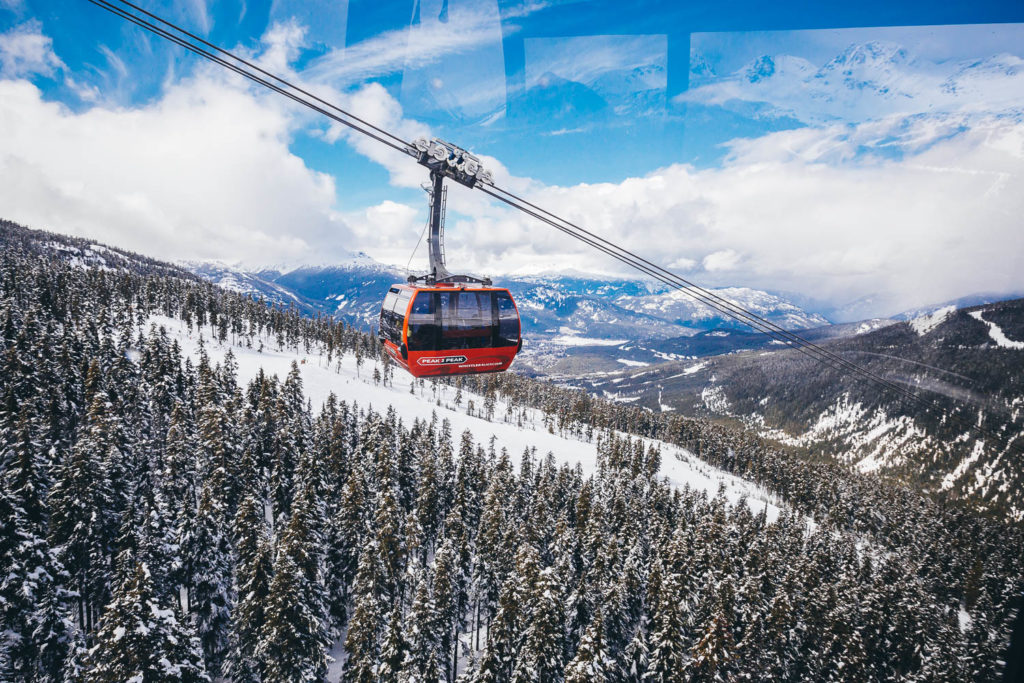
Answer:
(967, 362)
(164, 521)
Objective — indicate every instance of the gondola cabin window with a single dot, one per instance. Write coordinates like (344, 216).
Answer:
(466, 320)
(452, 321)
(423, 323)
(392, 314)
(508, 320)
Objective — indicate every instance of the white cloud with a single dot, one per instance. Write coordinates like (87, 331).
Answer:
(791, 212)
(326, 21)
(373, 104)
(390, 229)
(115, 62)
(281, 45)
(204, 172)
(25, 51)
(725, 259)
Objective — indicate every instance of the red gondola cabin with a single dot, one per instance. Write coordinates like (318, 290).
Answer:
(450, 329)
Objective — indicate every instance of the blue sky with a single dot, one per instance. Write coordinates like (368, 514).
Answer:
(653, 119)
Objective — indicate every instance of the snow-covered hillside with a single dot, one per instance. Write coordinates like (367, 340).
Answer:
(676, 305)
(355, 384)
(961, 437)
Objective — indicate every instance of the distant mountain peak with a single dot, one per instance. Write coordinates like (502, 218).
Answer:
(761, 68)
(700, 67)
(872, 53)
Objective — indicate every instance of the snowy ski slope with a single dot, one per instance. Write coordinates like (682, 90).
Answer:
(353, 384)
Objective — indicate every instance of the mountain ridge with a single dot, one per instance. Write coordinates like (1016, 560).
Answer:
(967, 363)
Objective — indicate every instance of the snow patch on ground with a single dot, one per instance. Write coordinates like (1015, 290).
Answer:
(694, 368)
(964, 619)
(997, 334)
(715, 399)
(574, 340)
(928, 322)
(664, 406)
(964, 465)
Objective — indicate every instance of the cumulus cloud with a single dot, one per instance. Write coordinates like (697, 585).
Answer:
(281, 45)
(204, 172)
(25, 51)
(782, 215)
(373, 104)
(389, 229)
(725, 259)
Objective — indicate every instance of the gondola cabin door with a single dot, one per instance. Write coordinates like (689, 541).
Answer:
(450, 329)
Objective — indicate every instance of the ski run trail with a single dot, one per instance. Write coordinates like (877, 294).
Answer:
(997, 334)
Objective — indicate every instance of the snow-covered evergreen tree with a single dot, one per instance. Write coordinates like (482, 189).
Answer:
(542, 655)
(393, 650)
(142, 640)
(208, 554)
(592, 663)
(362, 642)
(667, 655)
(294, 636)
(253, 559)
(83, 517)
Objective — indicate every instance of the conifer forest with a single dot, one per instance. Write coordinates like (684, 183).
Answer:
(164, 520)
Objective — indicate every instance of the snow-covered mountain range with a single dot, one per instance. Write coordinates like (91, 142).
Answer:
(570, 308)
